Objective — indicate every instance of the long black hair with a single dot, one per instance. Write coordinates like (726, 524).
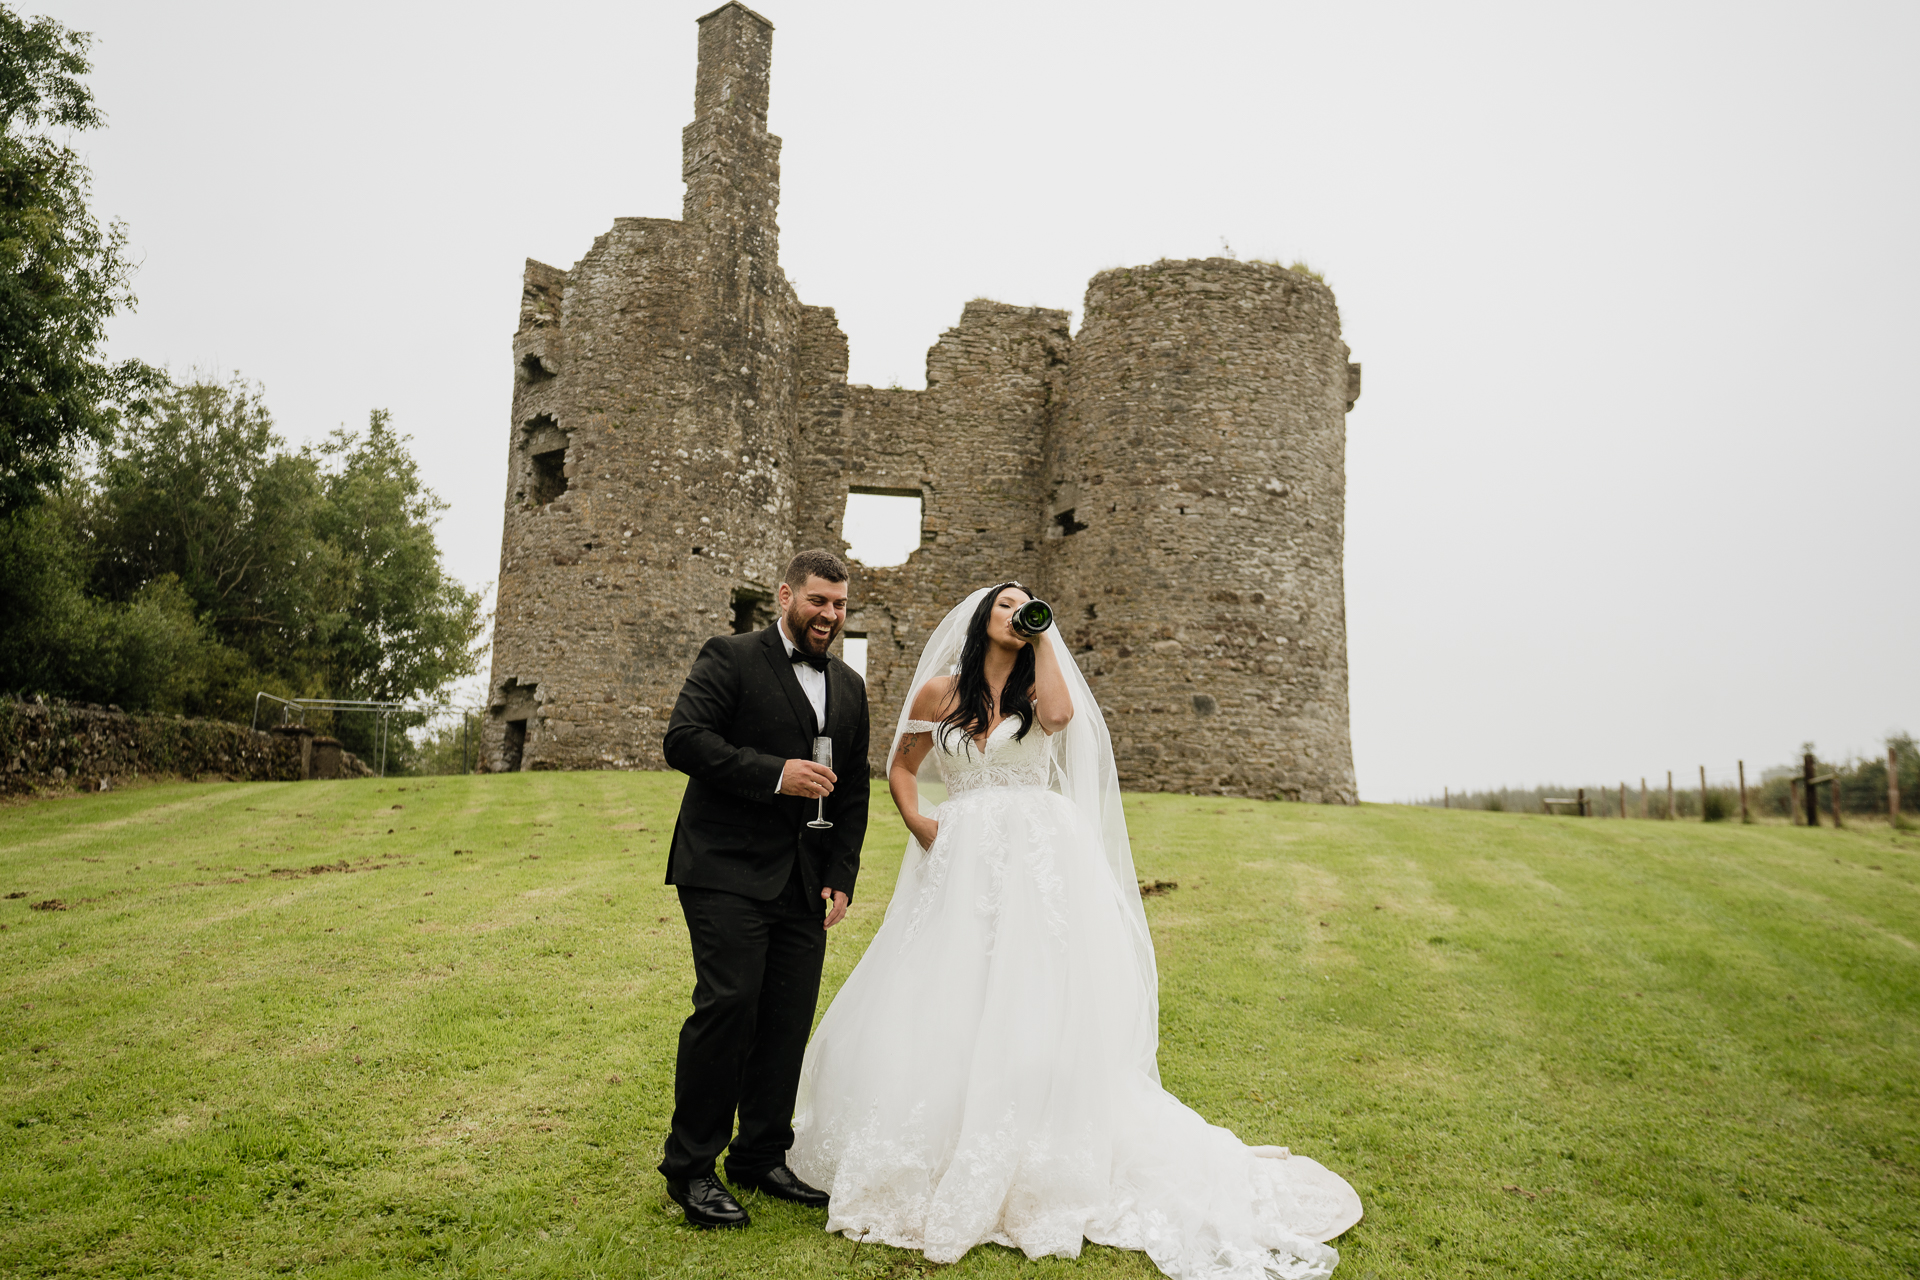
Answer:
(973, 699)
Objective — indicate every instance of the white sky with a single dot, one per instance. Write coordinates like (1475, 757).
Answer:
(1632, 483)
(881, 529)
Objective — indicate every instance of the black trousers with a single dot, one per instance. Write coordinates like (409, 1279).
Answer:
(756, 981)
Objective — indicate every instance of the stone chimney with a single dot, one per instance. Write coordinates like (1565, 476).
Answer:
(730, 163)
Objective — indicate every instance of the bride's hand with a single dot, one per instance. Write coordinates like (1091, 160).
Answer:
(926, 831)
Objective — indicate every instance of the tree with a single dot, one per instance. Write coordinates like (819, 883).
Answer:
(315, 573)
(199, 486)
(149, 652)
(61, 275)
(405, 628)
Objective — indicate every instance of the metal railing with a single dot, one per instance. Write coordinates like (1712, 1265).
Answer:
(290, 708)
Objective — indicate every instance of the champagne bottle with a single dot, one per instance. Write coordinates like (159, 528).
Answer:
(1033, 617)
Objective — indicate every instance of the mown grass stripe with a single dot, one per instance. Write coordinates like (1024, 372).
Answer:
(1539, 1047)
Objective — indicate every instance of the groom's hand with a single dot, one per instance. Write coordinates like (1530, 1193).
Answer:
(805, 778)
(836, 906)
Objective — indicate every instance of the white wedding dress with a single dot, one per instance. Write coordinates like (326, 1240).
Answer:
(987, 1071)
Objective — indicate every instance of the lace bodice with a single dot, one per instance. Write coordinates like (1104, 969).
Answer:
(1005, 762)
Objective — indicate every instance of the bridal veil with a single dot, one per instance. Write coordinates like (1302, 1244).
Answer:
(1083, 771)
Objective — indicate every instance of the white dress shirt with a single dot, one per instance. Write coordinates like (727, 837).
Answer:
(812, 683)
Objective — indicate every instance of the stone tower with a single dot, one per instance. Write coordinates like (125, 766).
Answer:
(1198, 519)
(651, 488)
(1173, 478)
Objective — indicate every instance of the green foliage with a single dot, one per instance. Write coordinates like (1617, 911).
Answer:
(198, 485)
(1863, 791)
(149, 650)
(1539, 1049)
(405, 628)
(1863, 783)
(1526, 799)
(203, 561)
(62, 276)
(41, 63)
(1296, 266)
(450, 745)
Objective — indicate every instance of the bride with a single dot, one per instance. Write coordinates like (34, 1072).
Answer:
(988, 1071)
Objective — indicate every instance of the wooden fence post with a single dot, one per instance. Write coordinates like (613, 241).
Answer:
(1671, 812)
(1580, 799)
(1893, 786)
(1703, 793)
(1623, 800)
(1744, 817)
(1833, 796)
(1446, 797)
(1812, 796)
(1643, 797)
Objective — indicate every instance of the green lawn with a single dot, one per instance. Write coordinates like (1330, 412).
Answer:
(426, 1027)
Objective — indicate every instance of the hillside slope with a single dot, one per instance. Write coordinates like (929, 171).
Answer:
(426, 1027)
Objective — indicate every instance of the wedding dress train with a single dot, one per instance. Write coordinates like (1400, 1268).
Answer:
(987, 1071)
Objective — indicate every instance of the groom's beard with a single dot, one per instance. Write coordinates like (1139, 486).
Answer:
(799, 628)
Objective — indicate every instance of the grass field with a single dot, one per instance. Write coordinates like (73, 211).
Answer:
(426, 1027)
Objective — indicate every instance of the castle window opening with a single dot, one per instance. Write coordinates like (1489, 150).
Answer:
(853, 651)
(752, 610)
(549, 476)
(1024, 410)
(882, 526)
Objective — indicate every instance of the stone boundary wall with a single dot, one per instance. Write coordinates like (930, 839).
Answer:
(58, 746)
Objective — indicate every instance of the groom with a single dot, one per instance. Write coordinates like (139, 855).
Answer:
(759, 888)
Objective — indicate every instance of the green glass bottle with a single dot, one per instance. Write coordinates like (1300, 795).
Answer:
(1033, 617)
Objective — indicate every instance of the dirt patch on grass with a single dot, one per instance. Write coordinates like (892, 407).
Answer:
(342, 867)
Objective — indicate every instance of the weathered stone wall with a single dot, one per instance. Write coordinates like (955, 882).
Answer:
(59, 746)
(972, 446)
(661, 368)
(1195, 550)
(1173, 478)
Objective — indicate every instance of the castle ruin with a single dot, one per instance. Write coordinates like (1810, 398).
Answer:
(1172, 478)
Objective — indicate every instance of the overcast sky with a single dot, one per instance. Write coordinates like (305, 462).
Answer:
(1632, 486)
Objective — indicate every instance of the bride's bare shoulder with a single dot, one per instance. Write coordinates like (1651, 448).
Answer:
(934, 700)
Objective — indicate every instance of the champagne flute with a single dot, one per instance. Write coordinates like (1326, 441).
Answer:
(822, 755)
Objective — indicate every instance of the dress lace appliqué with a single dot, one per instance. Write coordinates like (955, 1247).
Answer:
(972, 1081)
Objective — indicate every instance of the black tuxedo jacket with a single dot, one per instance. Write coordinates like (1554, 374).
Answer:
(741, 716)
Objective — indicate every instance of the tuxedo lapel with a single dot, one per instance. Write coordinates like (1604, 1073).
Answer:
(843, 695)
(774, 650)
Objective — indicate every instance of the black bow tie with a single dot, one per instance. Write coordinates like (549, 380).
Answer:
(800, 655)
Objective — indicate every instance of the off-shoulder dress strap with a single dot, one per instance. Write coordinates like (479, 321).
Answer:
(921, 726)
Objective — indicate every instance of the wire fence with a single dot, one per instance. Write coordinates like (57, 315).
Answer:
(1886, 787)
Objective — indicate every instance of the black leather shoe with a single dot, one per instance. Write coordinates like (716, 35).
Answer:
(780, 1183)
(707, 1203)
